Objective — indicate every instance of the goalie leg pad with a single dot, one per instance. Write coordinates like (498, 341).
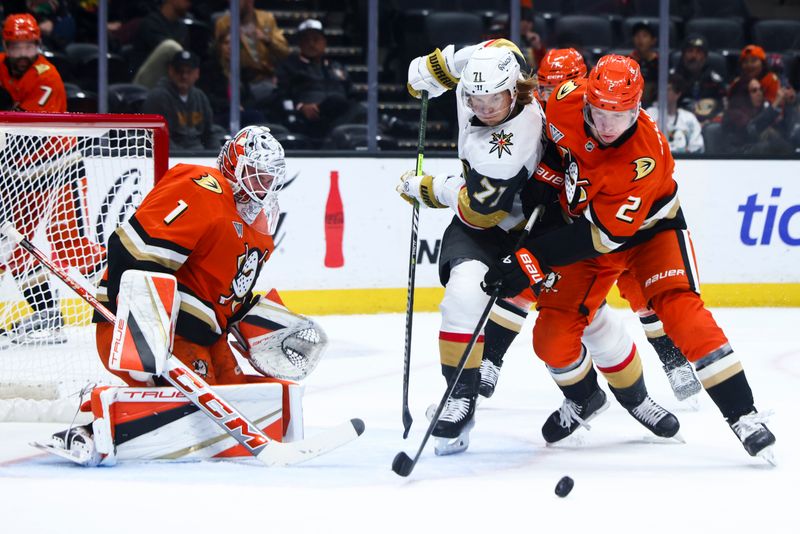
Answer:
(144, 330)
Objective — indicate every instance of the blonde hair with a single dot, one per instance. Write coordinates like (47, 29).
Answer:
(525, 90)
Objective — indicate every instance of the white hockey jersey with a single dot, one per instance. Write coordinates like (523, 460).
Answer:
(497, 162)
(683, 131)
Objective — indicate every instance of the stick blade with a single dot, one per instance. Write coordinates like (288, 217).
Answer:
(402, 464)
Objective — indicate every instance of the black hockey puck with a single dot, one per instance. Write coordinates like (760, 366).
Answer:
(564, 486)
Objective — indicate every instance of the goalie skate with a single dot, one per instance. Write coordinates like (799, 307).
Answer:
(74, 444)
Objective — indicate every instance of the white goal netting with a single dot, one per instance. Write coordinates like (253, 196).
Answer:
(66, 186)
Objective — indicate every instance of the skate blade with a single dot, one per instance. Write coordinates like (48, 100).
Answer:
(768, 454)
(448, 446)
(62, 453)
(691, 403)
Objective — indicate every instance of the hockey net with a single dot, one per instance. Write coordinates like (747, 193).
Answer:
(66, 182)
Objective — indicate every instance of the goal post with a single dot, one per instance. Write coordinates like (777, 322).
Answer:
(67, 181)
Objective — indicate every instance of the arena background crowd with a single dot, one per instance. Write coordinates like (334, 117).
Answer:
(734, 65)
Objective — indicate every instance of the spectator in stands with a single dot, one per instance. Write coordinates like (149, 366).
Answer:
(55, 22)
(683, 129)
(317, 88)
(185, 107)
(645, 40)
(160, 35)
(756, 126)
(705, 88)
(263, 47)
(753, 66)
(215, 83)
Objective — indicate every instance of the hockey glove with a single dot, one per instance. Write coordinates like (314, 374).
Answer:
(419, 188)
(432, 73)
(513, 274)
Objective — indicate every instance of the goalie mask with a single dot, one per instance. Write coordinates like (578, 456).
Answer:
(279, 343)
(253, 163)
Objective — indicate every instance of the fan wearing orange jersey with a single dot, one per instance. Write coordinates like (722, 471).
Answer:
(211, 227)
(558, 66)
(620, 189)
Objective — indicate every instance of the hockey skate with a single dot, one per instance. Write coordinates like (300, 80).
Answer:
(679, 371)
(457, 419)
(656, 419)
(754, 435)
(572, 415)
(75, 444)
(490, 373)
(40, 328)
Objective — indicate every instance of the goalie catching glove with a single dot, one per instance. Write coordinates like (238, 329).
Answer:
(277, 342)
(513, 273)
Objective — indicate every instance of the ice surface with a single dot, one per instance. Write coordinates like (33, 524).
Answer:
(625, 479)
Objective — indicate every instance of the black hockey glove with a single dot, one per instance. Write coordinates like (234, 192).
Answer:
(507, 275)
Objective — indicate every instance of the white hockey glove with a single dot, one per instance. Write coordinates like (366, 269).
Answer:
(434, 73)
(277, 342)
(419, 188)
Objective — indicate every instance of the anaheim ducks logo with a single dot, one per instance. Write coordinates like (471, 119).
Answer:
(643, 167)
(574, 184)
(249, 266)
(565, 88)
(208, 182)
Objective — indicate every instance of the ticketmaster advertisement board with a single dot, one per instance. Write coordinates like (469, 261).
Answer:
(343, 240)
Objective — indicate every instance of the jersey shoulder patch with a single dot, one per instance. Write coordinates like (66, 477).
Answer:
(207, 181)
(41, 68)
(565, 89)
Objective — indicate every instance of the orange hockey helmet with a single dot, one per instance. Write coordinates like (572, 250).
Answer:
(21, 27)
(558, 65)
(615, 84)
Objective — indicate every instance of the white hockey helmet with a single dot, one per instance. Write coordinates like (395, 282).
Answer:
(490, 71)
(253, 162)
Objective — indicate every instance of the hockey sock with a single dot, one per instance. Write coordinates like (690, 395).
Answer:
(582, 389)
(670, 355)
(723, 377)
(505, 322)
(467, 383)
(631, 396)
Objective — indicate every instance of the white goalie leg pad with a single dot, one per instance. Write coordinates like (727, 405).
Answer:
(606, 338)
(161, 424)
(144, 330)
(464, 300)
(279, 343)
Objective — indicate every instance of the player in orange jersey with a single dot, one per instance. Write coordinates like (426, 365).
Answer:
(45, 182)
(31, 83)
(621, 194)
(211, 227)
(558, 66)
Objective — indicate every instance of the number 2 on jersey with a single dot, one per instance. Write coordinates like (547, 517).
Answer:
(177, 212)
(635, 203)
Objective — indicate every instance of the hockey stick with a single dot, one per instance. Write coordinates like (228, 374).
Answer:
(412, 269)
(402, 463)
(194, 388)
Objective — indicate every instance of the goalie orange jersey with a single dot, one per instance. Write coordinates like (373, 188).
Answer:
(621, 188)
(188, 225)
(39, 89)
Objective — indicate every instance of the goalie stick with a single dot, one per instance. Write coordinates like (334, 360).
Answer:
(412, 268)
(403, 464)
(194, 388)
